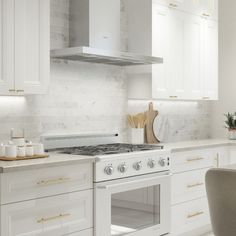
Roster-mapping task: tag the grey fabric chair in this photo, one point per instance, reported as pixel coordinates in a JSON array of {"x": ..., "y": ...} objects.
[{"x": 221, "y": 193}]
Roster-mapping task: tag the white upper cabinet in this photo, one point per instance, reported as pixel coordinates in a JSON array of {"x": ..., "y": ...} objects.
[
  {"x": 32, "y": 36},
  {"x": 188, "y": 44},
  {"x": 160, "y": 46},
  {"x": 6, "y": 49},
  {"x": 25, "y": 46},
  {"x": 206, "y": 8},
  {"x": 210, "y": 60},
  {"x": 176, "y": 54},
  {"x": 193, "y": 53}
]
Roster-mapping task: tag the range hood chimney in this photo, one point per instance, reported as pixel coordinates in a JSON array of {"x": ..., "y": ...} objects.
[{"x": 95, "y": 35}]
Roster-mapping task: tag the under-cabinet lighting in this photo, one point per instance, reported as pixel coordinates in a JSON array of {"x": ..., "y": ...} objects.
[
  {"x": 143, "y": 102},
  {"x": 8, "y": 100}
]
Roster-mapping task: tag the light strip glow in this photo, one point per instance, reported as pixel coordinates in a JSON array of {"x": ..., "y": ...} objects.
[
  {"x": 141, "y": 102},
  {"x": 10, "y": 100}
]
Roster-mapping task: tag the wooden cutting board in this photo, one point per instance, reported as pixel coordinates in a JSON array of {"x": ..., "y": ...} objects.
[{"x": 151, "y": 115}]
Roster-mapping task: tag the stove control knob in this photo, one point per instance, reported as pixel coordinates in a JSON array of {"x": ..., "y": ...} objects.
[
  {"x": 137, "y": 165},
  {"x": 122, "y": 168},
  {"x": 109, "y": 170},
  {"x": 151, "y": 164},
  {"x": 162, "y": 162}
]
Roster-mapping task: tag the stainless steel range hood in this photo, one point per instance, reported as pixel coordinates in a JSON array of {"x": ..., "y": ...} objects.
[
  {"x": 95, "y": 35},
  {"x": 93, "y": 55}
]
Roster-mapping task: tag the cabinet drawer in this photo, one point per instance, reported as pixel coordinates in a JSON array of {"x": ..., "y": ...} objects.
[
  {"x": 87, "y": 232},
  {"x": 59, "y": 215},
  {"x": 189, "y": 216},
  {"x": 32, "y": 184},
  {"x": 188, "y": 186},
  {"x": 192, "y": 160}
]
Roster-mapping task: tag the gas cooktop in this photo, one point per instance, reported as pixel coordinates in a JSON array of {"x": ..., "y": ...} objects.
[{"x": 108, "y": 149}]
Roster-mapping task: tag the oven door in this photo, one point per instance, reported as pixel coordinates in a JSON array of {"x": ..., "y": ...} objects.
[{"x": 136, "y": 206}]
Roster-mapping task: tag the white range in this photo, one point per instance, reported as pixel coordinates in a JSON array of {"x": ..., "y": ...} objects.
[{"x": 131, "y": 182}]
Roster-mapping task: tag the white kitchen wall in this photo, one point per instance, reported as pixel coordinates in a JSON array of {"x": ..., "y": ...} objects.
[
  {"x": 227, "y": 69},
  {"x": 93, "y": 98}
]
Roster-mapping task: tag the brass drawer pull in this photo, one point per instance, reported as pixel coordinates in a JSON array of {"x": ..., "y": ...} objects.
[
  {"x": 173, "y": 5},
  {"x": 12, "y": 90},
  {"x": 195, "y": 214},
  {"x": 53, "y": 181},
  {"x": 206, "y": 15},
  {"x": 205, "y": 98},
  {"x": 194, "y": 185},
  {"x": 43, "y": 220},
  {"x": 217, "y": 160},
  {"x": 195, "y": 159},
  {"x": 20, "y": 91},
  {"x": 173, "y": 96}
]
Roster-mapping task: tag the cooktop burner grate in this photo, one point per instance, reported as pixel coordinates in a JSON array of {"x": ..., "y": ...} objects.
[{"x": 108, "y": 149}]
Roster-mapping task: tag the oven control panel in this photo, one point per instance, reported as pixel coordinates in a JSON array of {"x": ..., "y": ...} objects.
[{"x": 127, "y": 165}]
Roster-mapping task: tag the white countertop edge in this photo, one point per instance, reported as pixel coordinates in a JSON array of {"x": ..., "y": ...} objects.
[
  {"x": 198, "y": 144},
  {"x": 51, "y": 161}
]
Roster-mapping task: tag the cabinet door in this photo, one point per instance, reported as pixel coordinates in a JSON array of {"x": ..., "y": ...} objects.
[
  {"x": 32, "y": 39},
  {"x": 193, "y": 71},
  {"x": 209, "y": 8},
  {"x": 51, "y": 216},
  {"x": 176, "y": 59},
  {"x": 160, "y": 44},
  {"x": 210, "y": 60},
  {"x": 6, "y": 47}
]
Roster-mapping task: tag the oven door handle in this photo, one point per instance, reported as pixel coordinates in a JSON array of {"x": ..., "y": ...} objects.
[{"x": 149, "y": 182}]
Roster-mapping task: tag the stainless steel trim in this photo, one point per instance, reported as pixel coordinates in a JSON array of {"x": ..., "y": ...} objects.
[{"x": 93, "y": 55}]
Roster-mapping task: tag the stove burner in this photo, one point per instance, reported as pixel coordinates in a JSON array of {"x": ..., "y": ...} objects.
[{"x": 108, "y": 149}]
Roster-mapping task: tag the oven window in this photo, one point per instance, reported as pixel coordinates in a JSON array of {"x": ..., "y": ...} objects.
[{"x": 135, "y": 210}]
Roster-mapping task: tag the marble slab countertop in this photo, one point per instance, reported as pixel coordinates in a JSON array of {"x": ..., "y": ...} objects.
[
  {"x": 197, "y": 144},
  {"x": 54, "y": 159}
]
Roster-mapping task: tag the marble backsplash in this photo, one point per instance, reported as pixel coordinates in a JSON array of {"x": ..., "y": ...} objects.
[{"x": 93, "y": 98}]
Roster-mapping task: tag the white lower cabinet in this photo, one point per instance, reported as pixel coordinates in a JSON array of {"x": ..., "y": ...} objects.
[
  {"x": 87, "y": 232},
  {"x": 54, "y": 201},
  {"x": 188, "y": 186},
  {"x": 190, "y": 214},
  {"x": 58, "y": 215},
  {"x": 32, "y": 184}
]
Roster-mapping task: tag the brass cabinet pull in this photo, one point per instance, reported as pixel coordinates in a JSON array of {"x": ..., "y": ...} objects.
[
  {"x": 217, "y": 160},
  {"x": 53, "y": 181},
  {"x": 195, "y": 214},
  {"x": 206, "y": 15},
  {"x": 206, "y": 98},
  {"x": 43, "y": 220},
  {"x": 12, "y": 90},
  {"x": 195, "y": 159},
  {"x": 20, "y": 90},
  {"x": 194, "y": 185},
  {"x": 173, "y": 96},
  {"x": 173, "y": 5}
]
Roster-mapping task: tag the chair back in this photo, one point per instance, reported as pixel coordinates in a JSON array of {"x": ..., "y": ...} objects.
[{"x": 221, "y": 193}]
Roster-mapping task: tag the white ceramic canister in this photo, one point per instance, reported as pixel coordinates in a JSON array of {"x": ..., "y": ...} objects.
[
  {"x": 18, "y": 141},
  {"x": 137, "y": 136},
  {"x": 38, "y": 149},
  {"x": 29, "y": 150},
  {"x": 11, "y": 151},
  {"x": 21, "y": 151},
  {"x": 2, "y": 150}
]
